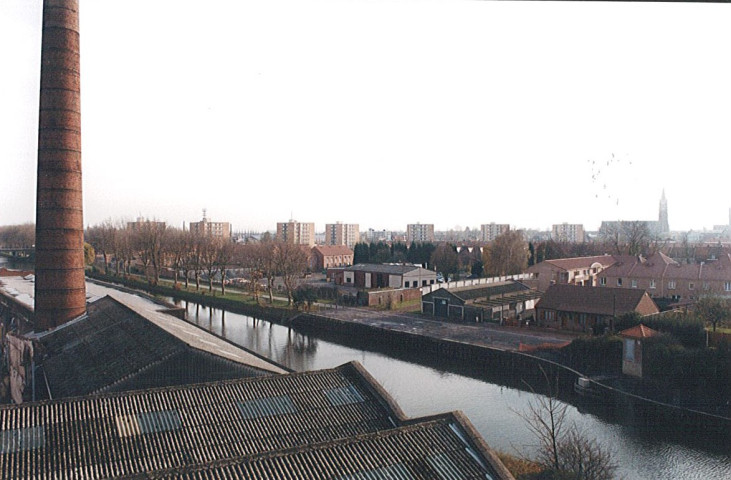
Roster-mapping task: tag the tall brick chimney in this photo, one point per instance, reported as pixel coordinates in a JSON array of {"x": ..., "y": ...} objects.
[{"x": 60, "y": 289}]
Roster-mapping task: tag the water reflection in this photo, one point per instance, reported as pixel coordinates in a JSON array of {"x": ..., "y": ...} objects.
[{"x": 423, "y": 385}]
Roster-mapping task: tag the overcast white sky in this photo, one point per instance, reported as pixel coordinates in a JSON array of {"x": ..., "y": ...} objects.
[{"x": 384, "y": 113}]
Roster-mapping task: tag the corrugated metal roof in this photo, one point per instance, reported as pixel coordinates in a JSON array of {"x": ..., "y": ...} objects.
[
  {"x": 114, "y": 347},
  {"x": 379, "y": 268},
  {"x": 128, "y": 433},
  {"x": 425, "y": 450}
]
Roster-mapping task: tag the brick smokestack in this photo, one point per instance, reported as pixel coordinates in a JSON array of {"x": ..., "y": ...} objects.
[{"x": 60, "y": 289}]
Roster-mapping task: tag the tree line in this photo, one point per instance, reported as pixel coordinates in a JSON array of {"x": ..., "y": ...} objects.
[
  {"x": 18, "y": 236},
  {"x": 188, "y": 256}
]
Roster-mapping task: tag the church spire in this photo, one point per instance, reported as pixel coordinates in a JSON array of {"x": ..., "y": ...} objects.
[{"x": 663, "y": 220}]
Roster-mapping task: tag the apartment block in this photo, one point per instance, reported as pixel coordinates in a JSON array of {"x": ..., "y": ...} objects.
[
  {"x": 420, "y": 232},
  {"x": 213, "y": 229},
  {"x": 296, "y": 232},
  {"x": 568, "y": 232},
  {"x": 342, "y": 234},
  {"x": 491, "y": 231}
]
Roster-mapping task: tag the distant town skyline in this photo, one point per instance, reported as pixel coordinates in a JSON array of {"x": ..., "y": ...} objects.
[{"x": 385, "y": 113}]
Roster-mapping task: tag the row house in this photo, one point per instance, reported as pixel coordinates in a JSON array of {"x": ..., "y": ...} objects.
[
  {"x": 663, "y": 277},
  {"x": 571, "y": 271},
  {"x": 590, "y": 309}
]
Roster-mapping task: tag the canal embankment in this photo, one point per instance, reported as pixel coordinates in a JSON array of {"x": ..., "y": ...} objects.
[
  {"x": 513, "y": 367},
  {"x": 492, "y": 351}
]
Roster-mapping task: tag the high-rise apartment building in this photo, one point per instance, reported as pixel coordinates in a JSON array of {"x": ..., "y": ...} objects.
[
  {"x": 213, "y": 229},
  {"x": 490, "y": 231},
  {"x": 568, "y": 232},
  {"x": 296, "y": 233},
  {"x": 420, "y": 232},
  {"x": 342, "y": 234},
  {"x": 142, "y": 222}
]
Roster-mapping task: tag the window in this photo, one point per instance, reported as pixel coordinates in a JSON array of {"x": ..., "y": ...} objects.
[
  {"x": 652, "y": 283},
  {"x": 346, "y": 395},
  {"x": 629, "y": 350},
  {"x": 634, "y": 283},
  {"x": 603, "y": 281},
  {"x": 727, "y": 286},
  {"x": 706, "y": 285},
  {"x": 619, "y": 282},
  {"x": 671, "y": 285},
  {"x": 691, "y": 286},
  {"x": 266, "y": 407}
]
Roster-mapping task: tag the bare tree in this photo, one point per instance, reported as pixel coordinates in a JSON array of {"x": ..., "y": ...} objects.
[
  {"x": 562, "y": 447},
  {"x": 638, "y": 237},
  {"x": 123, "y": 248},
  {"x": 209, "y": 252},
  {"x": 291, "y": 262},
  {"x": 103, "y": 237},
  {"x": 149, "y": 239},
  {"x": 18, "y": 236},
  {"x": 628, "y": 237},
  {"x": 267, "y": 252},
  {"x": 506, "y": 255},
  {"x": 225, "y": 257},
  {"x": 178, "y": 248}
]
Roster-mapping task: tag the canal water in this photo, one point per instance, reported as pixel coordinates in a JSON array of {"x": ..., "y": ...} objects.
[{"x": 424, "y": 386}]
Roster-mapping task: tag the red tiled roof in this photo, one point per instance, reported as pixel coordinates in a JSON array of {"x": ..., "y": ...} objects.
[
  {"x": 330, "y": 250},
  {"x": 639, "y": 331},
  {"x": 592, "y": 300},
  {"x": 580, "y": 262}
]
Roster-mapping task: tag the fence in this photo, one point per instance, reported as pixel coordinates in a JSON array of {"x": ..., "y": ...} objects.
[{"x": 476, "y": 281}]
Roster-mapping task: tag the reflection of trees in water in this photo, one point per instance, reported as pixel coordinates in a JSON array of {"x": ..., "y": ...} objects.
[{"x": 298, "y": 352}]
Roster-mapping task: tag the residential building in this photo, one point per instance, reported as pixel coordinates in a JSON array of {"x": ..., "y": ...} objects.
[
  {"x": 590, "y": 309},
  {"x": 573, "y": 271},
  {"x": 419, "y": 232},
  {"x": 296, "y": 232},
  {"x": 367, "y": 275},
  {"x": 342, "y": 234},
  {"x": 330, "y": 256},
  {"x": 141, "y": 223},
  {"x": 501, "y": 302},
  {"x": 373, "y": 235},
  {"x": 568, "y": 232},
  {"x": 212, "y": 229},
  {"x": 665, "y": 278},
  {"x": 490, "y": 231}
]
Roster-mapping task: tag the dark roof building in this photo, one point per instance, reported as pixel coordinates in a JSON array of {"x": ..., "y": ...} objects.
[
  {"x": 371, "y": 275},
  {"x": 336, "y": 423},
  {"x": 115, "y": 348},
  {"x": 584, "y": 309},
  {"x": 499, "y": 301}
]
